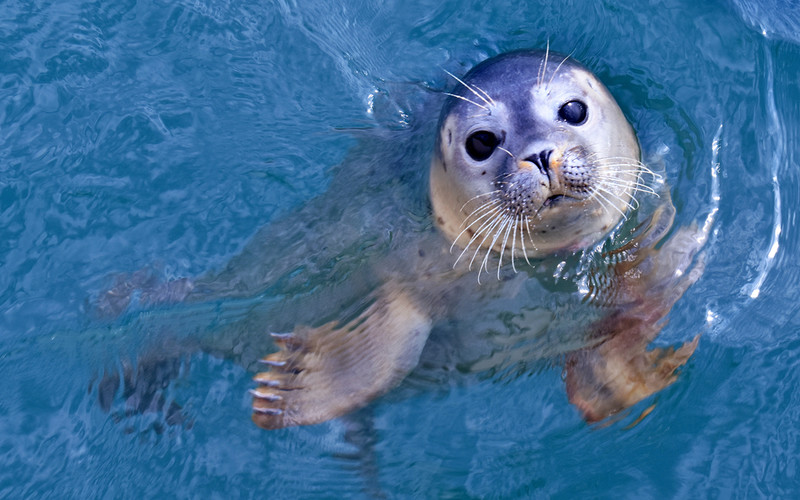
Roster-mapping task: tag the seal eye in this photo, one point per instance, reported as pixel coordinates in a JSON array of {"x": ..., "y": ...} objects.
[
  {"x": 573, "y": 112},
  {"x": 481, "y": 144}
]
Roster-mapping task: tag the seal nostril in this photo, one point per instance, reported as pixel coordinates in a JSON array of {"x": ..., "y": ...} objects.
[
  {"x": 545, "y": 157},
  {"x": 541, "y": 160}
]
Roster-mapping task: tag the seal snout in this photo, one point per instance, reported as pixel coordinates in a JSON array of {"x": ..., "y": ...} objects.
[
  {"x": 547, "y": 163},
  {"x": 540, "y": 160}
]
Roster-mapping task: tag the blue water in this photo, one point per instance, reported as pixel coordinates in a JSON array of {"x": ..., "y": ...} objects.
[{"x": 162, "y": 135}]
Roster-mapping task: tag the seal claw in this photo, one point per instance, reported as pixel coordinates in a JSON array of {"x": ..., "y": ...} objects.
[
  {"x": 266, "y": 379},
  {"x": 288, "y": 341},
  {"x": 272, "y": 362},
  {"x": 267, "y": 411},
  {"x": 265, "y": 395}
]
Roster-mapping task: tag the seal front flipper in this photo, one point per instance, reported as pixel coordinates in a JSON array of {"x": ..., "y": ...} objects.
[
  {"x": 621, "y": 371},
  {"x": 618, "y": 370},
  {"x": 323, "y": 373}
]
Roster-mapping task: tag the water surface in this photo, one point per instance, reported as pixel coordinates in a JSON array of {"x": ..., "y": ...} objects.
[{"x": 162, "y": 135}]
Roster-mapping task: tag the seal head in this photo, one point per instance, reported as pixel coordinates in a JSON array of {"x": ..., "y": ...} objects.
[{"x": 533, "y": 157}]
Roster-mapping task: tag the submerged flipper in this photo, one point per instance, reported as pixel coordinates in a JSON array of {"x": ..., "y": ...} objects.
[
  {"x": 323, "y": 373},
  {"x": 618, "y": 370},
  {"x": 144, "y": 386}
]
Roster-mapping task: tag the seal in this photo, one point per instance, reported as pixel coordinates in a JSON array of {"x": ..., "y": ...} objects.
[{"x": 533, "y": 157}]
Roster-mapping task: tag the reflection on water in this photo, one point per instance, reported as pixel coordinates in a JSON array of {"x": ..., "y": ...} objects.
[
  {"x": 162, "y": 136},
  {"x": 773, "y": 151}
]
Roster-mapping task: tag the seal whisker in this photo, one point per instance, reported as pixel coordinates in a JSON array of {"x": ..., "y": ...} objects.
[
  {"x": 617, "y": 197},
  {"x": 500, "y": 178},
  {"x": 617, "y": 162},
  {"x": 487, "y": 213},
  {"x": 624, "y": 181},
  {"x": 513, "y": 242},
  {"x": 543, "y": 66},
  {"x": 603, "y": 203},
  {"x": 644, "y": 169},
  {"x": 626, "y": 159},
  {"x": 558, "y": 68},
  {"x": 640, "y": 167},
  {"x": 468, "y": 100},
  {"x": 506, "y": 151},
  {"x": 530, "y": 233},
  {"x": 624, "y": 167},
  {"x": 637, "y": 186},
  {"x": 486, "y": 94},
  {"x": 633, "y": 188},
  {"x": 485, "y": 230},
  {"x": 623, "y": 159},
  {"x": 485, "y": 263},
  {"x": 635, "y": 183},
  {"x": 508, "y": 225},
  {"x": 488, "y": 231},
  {"x": 625, "y": 178},
  {"x": 486, "y": 225},
  {"x": 522, "y": 239},
  {"x": 619, "y": 168},
  {"x": 476, "y": 197},
  {"x": 480, "y": 212},
  {"x": 484, "y": 99},
  {"x": 633, "y": 204},
  {"x": 599, "y": 194}
]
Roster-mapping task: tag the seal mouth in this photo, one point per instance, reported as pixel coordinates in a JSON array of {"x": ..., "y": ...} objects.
[{"x": 553, "y": 200}]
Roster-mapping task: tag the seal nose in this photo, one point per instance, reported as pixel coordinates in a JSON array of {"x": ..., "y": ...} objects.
[{"x": 540, "y": 160}]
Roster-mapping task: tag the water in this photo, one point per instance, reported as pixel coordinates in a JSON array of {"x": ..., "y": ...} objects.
[{"x": 162, "y": 135}]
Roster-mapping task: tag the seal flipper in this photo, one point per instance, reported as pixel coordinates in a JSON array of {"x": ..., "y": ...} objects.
[
  {"x": 144, "y": 388},
  {"x": 618, "y": 370},
  {"x": 323, "y": 373}
]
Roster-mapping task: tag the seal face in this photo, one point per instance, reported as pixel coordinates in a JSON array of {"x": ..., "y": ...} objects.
[{"x": 533, "y": 157}]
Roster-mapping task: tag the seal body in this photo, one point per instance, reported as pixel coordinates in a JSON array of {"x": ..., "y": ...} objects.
[{"x": 533, "y": 157}]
